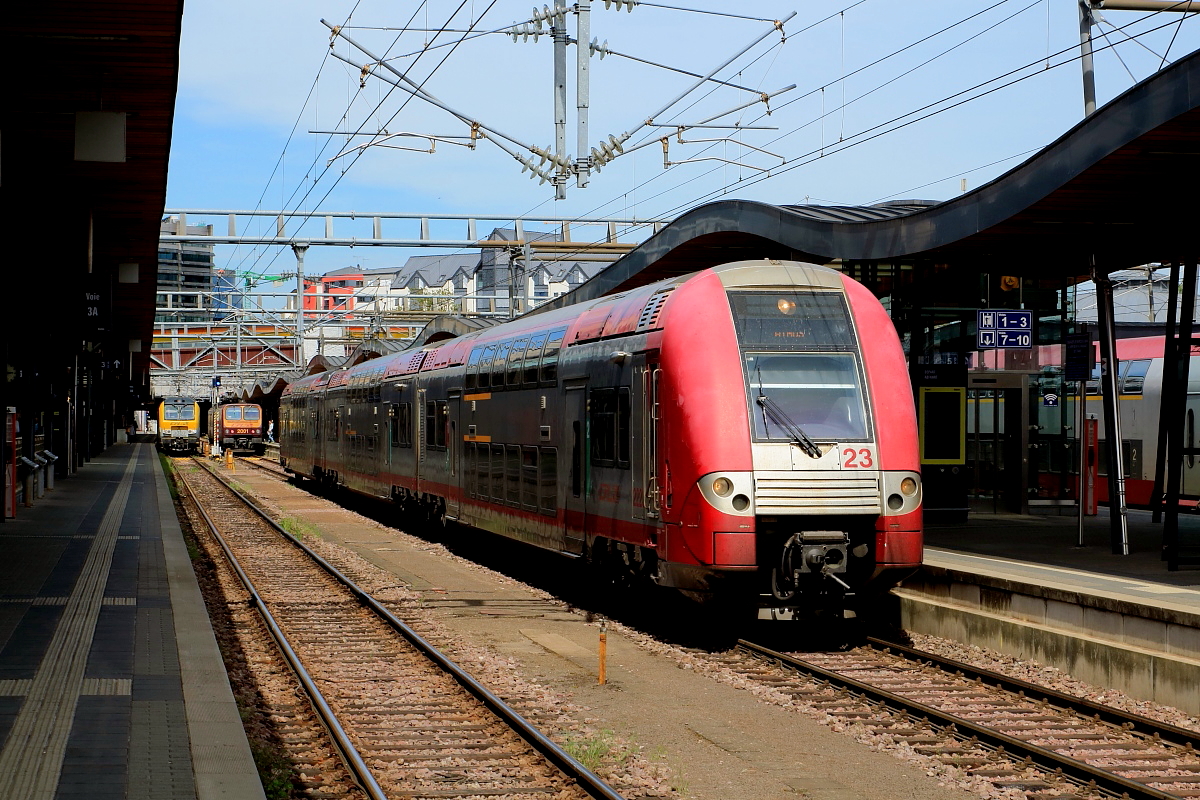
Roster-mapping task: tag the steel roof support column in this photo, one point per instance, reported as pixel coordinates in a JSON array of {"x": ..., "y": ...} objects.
[
  {"x": 1085, "y": 57},
  {"x": 1113, "y": 443},
  {"x": 1166, "y": 400},
  {"x": 300, "y": 248},
  {"x": 1182, "y": 353}
]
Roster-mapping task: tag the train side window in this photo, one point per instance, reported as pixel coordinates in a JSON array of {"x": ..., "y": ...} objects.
[
  {"x": 482, "y": 457},
  {"x": 469, "y": 468},
  {"x": 497, "y": 470},
  {"x": 443, "y": 422},
  {"x": 602, "y": 424},
  {"x": 549, "y": 367},
  {"x": 516, "y": 362},
  {"x": 533, "y": 355},
  {"x": 485, "y": 367},
  {"x": 430, "y": 422},
  {"x": 1134, "y": 379},
  {"x": 500, "y": 364},
  {"x": 1093, "y": 384},
  {"x": 512, "y": 475},
  {"x": 402, "y": 425},
  {"x": 548, "y": 471},
  {"x": 576, "y": 460},
  {"x": 529, "y": 478},
  {"x": 624, "y": 436},
  {"x": 469, "y": 379},
  {"x": 436, "y": 415}
]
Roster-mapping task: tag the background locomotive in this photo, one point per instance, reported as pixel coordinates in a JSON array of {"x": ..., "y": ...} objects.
[
  {"x": 179, "y": 425},
  {"x": 744, "y": 434},
  {"x": 237, "y": 427}
]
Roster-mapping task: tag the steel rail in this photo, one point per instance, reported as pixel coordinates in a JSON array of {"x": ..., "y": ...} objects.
[
  {"x": 1132, "y": 722},
  {"x": 279, "y": 473},
  {"x": 350, "y": 756},
  {"x": 587, "y": 780},
  {"x": 1003, "y": 743}
]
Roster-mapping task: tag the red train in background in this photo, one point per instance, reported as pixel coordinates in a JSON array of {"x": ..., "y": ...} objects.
[
  {"x": 744, "y": 434},
  {"x": 237, "y": 427}
]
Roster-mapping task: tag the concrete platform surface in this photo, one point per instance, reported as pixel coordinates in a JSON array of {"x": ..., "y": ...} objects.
[
  {"x": 1053, "y": 541},
  {"x": 111, "y": 683}
]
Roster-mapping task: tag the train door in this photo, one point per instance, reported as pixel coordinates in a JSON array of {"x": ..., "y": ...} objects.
[
  {"x": 1190, "y": 487},
  {"x": 418, "y": 442},
  {"x": 576, "y": 483},
  {"x": 644, "y": 447},
  {"x": 454, "y": 447}
]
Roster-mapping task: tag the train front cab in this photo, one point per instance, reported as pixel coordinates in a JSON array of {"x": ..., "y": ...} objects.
[
  {"x": 179, "y": 425},
  {"x": 788, "y": 437},
  {"x": 239, "y": 427}
]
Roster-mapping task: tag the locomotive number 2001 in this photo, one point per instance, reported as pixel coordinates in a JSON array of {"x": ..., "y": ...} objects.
[{"x": 857, "y": 459}]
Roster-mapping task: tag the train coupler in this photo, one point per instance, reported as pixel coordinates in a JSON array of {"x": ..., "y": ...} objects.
[{"x": 811, "y": 553}]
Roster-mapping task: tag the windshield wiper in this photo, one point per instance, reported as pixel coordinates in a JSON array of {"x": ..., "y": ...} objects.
[{"x": 777, "y": 415}]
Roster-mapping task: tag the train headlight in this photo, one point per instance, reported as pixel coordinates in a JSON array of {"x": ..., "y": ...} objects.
[
  {"x": 908, "y": 487},
  {"x": 895, "y": 502},
  {"x": 786, "y": 306},
  {"x": 729, "y": 492}
]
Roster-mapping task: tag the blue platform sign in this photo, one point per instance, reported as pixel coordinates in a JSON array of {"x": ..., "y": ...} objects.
[{"x": 1002, "y": 329}]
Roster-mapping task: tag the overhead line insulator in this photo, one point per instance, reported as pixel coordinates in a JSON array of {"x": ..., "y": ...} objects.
[
  {"x": 602, "y": 49},
  {"x": 628, "y": 4},
  {"x": 524, "y": 31},
  {"x": 558, "y": 14},
  {"x": 606, "y": 151}
]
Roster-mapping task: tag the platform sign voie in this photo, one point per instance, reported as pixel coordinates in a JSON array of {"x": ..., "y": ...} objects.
[{"x": 1002, "y": 329}]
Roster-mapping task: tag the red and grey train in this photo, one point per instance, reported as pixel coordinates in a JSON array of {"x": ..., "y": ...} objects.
[{"x": 744, "y": 434}]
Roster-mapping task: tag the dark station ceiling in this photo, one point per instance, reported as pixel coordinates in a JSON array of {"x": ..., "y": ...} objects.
[
  {"x": 74, "y": 222},
  {"x": 1119, "y": 187}
]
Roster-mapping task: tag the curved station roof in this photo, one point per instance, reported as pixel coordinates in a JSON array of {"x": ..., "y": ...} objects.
[{"x": 1119, "y": 186}]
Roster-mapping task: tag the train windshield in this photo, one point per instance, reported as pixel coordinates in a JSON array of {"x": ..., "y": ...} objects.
[
  {"x": 179, "y": 411},
  {"x": 802, "y": 369},
  {"x": 818, "y": 392},
  {"x": 233, "y": 412},
  {"x": 251, "y": 413}
]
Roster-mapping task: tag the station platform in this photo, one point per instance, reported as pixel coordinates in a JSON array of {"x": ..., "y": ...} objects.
[
  {"x": 111, "y": 682},
  {"x": 1023, "y": 586},
  {"x": 1045, "y": 540}
]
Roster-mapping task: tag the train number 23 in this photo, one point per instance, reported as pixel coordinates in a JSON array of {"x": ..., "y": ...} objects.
[{"x": 856, "y": 459}]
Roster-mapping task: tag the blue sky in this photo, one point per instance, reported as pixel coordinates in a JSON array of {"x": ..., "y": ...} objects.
[{"x": 256, "y": 77}]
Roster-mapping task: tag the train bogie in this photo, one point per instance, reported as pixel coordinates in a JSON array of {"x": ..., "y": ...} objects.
[{"x": 744, "y": 435}]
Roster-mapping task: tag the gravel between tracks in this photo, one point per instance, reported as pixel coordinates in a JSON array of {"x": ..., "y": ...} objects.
[{"x": 683, "y": 723}]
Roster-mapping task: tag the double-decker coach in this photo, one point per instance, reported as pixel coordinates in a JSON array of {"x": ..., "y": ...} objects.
[{"x": 744, "y": 434}]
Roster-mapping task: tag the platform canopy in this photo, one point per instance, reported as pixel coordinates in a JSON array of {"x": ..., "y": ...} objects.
[{"x": 1118, "y": 187}]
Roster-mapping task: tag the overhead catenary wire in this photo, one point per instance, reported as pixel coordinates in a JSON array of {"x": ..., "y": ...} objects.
[
  {"x": 895, "y": 123},
  {"x": 889, "y": 126},
  {"x": 860, "y": 134},
  {"x": 305, "y": 216}
]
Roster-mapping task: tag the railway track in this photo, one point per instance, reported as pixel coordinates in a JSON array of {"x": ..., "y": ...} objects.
[
  {"x": 265, "y": 464},
  {"x": 1014, "y": 734},
  {"x": 407, "y": 721}
]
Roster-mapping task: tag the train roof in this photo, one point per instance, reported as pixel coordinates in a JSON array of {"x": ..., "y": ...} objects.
[{"x": 639, "y": 309}]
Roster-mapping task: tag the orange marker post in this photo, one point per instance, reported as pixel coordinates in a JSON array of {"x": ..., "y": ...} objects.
[
  {"x": 601, "y": 677},
  {"x": 229, "y": 459}
]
